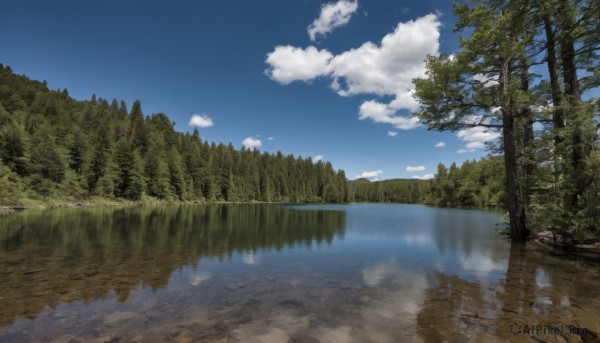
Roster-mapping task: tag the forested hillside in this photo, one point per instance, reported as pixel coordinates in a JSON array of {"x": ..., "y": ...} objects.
[
  {"x": 53, "y": 147},
  {"x": 407, "y": 191},
  {"x": 474, "y": 183}
]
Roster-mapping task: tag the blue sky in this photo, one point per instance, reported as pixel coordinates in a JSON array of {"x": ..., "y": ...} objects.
[{"x": 311, "y": 78}]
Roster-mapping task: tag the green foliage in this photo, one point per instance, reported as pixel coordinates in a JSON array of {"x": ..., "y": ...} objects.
[
  {"x": 396, "y": 191},
  {"x": 475, "y": 183},
  {"x": 45, "y": 159},
  {"x": 551, "y": 171},
  {"x": 52, "y": 146}
]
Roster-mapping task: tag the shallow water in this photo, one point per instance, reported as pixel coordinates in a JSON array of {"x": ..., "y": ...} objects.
[{"x": 269, "y": 273}]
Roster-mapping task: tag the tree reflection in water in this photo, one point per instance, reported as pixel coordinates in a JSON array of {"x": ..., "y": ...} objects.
[
  {"x": 248, "y": 272},
  {"x": 48, "y": 257},
  {"x": 539, "y": 289}
]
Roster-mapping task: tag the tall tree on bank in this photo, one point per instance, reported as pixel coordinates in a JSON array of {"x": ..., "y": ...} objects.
[{"x": 478, "y": 87}]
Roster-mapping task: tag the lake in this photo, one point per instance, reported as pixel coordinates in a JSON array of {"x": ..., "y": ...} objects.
[{"x": 284, "y": 273}]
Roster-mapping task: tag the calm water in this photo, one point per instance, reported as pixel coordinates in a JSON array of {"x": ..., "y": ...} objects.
[{"x": 269, "y": 273}]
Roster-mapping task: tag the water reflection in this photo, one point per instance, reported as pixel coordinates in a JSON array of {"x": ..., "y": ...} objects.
[
  {"x": 538, "y": 289},
  {"x": 55, "y": 256},
  {"x": 262, "y": 273}
]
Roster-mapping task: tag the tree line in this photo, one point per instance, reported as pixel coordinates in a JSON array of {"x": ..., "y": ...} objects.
[
  {"x": 548, "y": 120},
  {"x": 473, "y": 184},
  {"x": 55, "y": 147}
]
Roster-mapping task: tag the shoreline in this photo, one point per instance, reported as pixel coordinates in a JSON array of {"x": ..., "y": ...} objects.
[
  {"x": 589, "y": 250},
  {"x": 6, "y": 209},
  {"x": 18, "y": 208}
]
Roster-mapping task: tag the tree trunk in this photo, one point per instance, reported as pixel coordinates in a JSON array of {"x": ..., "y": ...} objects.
[
  {"x": 573, "y": 95},
  {"x": 528, "y": 135},
  {"x": 516, "y": 206},
  {"x": 558, "y": 116}
]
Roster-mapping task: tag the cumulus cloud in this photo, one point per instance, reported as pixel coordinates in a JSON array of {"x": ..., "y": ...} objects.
[
  {"x": 386, "y": 68},
  {"x": 288, "y": 63},
  {"x": 332, "y": 15},
  {"x": 392, "y": 133},
  {"x": 412, "y": 169},
  {"x": 370, "y": 174},
  {"x": 440, "y": 145},
  {"x": 201, "y": 120},
  {"x": 270, "y": 139},
  {"x": 476, "y": 137},
  {"x": 424, "y": 177},
  {"x": 251, "y": 143},
  {"x": 383, "y": 113},
  {"x": 318, "y": 158}
]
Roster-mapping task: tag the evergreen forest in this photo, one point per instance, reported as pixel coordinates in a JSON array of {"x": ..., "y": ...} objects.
[{"x": 55, "y": 148}]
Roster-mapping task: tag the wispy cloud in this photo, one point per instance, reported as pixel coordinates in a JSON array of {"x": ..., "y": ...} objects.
[
  {"x": 201, "y": 120},
  {"x": 392, "y": 133},
  {"x": 412, "y": 169},
  {"x": 369, "y": 174},
  {"x": 440, "y": 145},
  {"x": 251, "y": 143},
  {"x": 270, "y": 139},
  {"x": 333, "y": 15},
  {"x": 424, "y": 177}
]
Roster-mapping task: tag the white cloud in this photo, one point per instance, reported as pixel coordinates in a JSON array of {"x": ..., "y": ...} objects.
[
  {"x": 474, "y": 145},
  {"x": 476, "y": 137},
  {"x": 251, "y": 143},
  {"x": 382, "y": 113},
  {"x": 270, "y": 139},
  {"x": 388, "y": 68},
  {"x": 384, "y": 69},
  {"x": 412, "y": 169},
  {"x": 288, "y": 63},
  {"x": 318, "y": 158},
  {"x": 392, "y": 133},
  {"x": 369, "y": 174},
  {"x": 440, "y": 145},
  {"x": 332, "y": 15},
  {"x": 201, "y": 120},
  {"x": 486, "y": 80},
  {"x": 424, "y": 177}
]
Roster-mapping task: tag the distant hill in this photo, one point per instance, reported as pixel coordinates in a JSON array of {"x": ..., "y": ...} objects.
[{"x": 410, "y": 191}]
